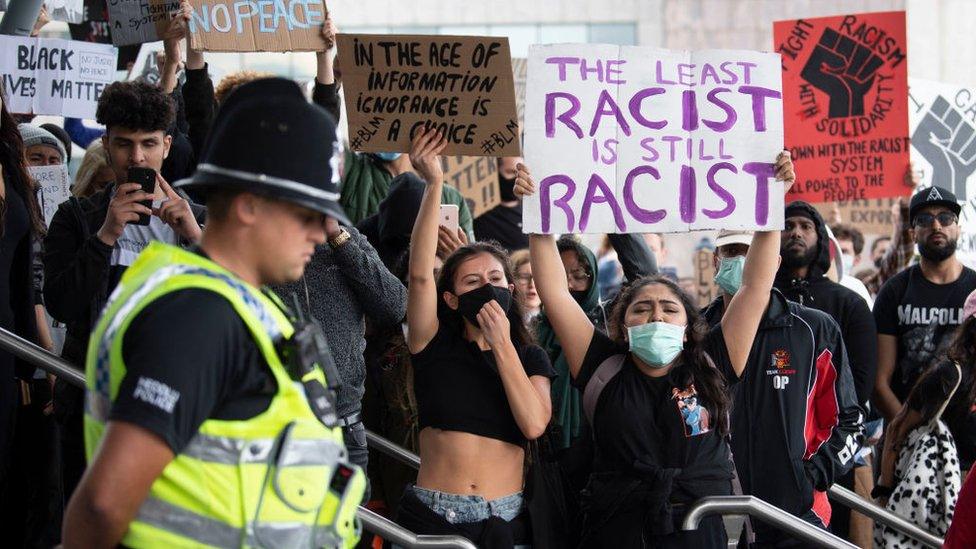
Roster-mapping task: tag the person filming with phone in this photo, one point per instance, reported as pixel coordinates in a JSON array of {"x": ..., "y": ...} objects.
[{"x": 92, "y": 241}]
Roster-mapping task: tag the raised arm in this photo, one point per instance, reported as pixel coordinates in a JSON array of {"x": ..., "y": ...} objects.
[
  {"x": 175, "y": 32},
  {"x": 741, "y": 320},
  {"x": 573, "y": 328},
  {"x": 325, "y": 93},
  {"x": 422, "y": 323}
]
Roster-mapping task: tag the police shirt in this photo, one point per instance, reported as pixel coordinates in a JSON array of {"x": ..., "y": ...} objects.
[{"x": 189, "y": 357}]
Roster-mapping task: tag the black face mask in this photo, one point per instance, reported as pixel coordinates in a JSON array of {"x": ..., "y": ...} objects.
[
  {"x": 471, "y": 302},
  {"x": 580, "y": 296},
  {"x": 506, "y": 188}
]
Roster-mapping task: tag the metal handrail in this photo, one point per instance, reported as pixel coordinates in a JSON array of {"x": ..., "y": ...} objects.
[
  {"x": 60, "y": 367},
  {"x": 395, "y": 534},
  {"x": 372, "y": 522},
  {"x": 855, "y": 502},
  {"x": 755, "y": 507}
]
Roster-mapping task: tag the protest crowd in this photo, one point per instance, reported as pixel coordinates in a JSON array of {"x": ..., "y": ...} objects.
[{"x": 249, "y": 291}]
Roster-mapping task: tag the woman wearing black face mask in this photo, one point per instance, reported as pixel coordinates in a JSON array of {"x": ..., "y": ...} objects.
[
  {"x": 581, "y": 273},
  {"x": 482, "y": 389}
]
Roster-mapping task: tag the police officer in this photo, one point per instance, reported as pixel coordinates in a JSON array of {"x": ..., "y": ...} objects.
[{"x": 208, "y": 420}]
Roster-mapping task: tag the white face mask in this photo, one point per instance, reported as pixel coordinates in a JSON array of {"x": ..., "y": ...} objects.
[{"x": 848, "y": 262}]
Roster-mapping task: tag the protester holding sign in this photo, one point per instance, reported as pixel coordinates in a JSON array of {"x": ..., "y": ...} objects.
[
  {"x": 482, "y": 387},
  {"x": 658, "y": 358},
  {"x": 21, "y": 224}
]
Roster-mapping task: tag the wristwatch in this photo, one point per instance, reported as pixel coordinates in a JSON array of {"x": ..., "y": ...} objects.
[{"x": 340, "y": 239}]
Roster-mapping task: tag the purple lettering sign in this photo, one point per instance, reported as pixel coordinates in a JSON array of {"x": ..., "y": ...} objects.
[{"x": 628, "y": 139}]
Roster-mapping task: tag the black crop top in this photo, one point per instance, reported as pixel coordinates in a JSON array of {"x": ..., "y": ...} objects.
[{"x": 458, "y": 387}]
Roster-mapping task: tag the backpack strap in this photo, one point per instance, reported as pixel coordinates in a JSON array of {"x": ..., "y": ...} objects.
[{"x": 603, "y": 374}]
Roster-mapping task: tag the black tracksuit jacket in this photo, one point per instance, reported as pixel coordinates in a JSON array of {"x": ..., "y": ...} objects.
[
  {"x": 795, "y": 420},
  {"x": 847, "y": 308}
]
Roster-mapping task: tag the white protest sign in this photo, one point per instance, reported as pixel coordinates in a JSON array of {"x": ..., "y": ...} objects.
[
  {"x": 53, "y": 188},
  {"x": 627, "y": 139},
  {"x": 942, "y": 125},
  {"x": 69, "y": 11},
  {"x": 53, "y": 76},
  {"x": 139, "y": 21}
]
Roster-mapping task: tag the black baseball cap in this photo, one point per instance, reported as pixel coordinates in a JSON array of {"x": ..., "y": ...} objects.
[{"x": 932, "y": 196}]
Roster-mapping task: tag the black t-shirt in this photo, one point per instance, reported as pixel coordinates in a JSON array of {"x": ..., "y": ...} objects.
[
  {"x": 920, "y": 314},
  {"x": 458, "y": 387},
  {"x": 502, "y": 224},
  {"x": 642, "y": 422},
  {"x": 932, "y": 391},
  {"x": 189, "y": 357}
]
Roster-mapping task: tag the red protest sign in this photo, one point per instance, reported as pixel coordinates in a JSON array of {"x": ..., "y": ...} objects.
[{"x": 845, "y": 104}]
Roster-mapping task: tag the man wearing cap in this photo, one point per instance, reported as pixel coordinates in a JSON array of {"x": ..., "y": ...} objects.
[
  {"x": 919, "y": 306},
  {"x": 41, "y": 146},
  {"x": 795, "y": 394},
  {"x": 208, "y": 419}
]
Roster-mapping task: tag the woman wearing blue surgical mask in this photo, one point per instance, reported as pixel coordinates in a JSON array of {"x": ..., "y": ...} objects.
[
  {"x": 657, "y": 403},
  {"x": 482, "y": 387}
]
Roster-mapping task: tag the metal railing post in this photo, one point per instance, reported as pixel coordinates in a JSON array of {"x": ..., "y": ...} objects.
[
  {"x": 855, "y": 502},
  {"x": 390, "y": 448},
  {"x": 390, "y": 531},
  {"x": 755, "y": 507}
]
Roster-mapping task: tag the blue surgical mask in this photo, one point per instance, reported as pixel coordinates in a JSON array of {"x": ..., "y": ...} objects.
[
  {"x": 656, "y": 343},
  {"x": 387, "y": 156},
  {"x": 729, "y": 275}
]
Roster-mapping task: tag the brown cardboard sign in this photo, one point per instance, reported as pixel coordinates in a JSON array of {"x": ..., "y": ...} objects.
[
  {"x": 705, "y": 286},
  {"x": 477, "y": 179},
  {"x": 871, "y": 217},
  {"x": 460, "y": 85},
  {"x": 262, "y": 25}
]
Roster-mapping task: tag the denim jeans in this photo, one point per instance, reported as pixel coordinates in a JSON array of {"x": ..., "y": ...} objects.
[{"x": 458, "y": 509}]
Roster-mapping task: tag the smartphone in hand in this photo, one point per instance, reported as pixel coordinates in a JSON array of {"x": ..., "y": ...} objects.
[
  {"x": 145, "y": 177},
  {"x": 449, "y": 217}
]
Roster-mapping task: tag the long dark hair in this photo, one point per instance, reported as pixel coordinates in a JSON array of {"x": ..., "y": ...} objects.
[
  {"x": 12, "y": 150},
  {"x": 445, "y": 283},
  {"x": 694, "y": 365},
  {"x": 962, "y": 351}
]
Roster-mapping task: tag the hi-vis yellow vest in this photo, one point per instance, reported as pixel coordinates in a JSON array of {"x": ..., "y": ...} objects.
[{"x": 263, "y": 482}]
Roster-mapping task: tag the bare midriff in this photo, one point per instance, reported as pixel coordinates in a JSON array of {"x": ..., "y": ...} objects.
[{"x": 468, "y": 464}]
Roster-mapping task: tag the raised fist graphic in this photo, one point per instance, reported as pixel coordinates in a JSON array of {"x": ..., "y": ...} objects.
[
  {"x": 845, "y": 70},
  {"x": 947, "y": 141}
]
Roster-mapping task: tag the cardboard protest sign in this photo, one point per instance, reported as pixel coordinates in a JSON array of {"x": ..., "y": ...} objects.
[
  {"x": 705, "y": 287},
  {"x": 95, "y": 27},
  {"x": 476, "y": 177},
  {"x": 520, "y": 72},
  {"x": 845, "y": 92},
  {"x": 138, "y": 21},
  {"x": 53, "y": 76},
  {"x": 262, "y": 25},
  {"x": 53, "y": 188},
  {"x": 627, "y": 139},
  {"x": 461, "y": 85},
  {"x": 943, "y": 125},
  {"x": 871, "y": 217}
]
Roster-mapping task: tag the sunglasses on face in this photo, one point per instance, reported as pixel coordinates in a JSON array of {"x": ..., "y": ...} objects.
[{"x": 925, "y": 220}]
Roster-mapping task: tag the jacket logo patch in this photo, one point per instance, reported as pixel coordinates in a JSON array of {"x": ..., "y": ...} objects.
[{"x": 780, "y": 368}]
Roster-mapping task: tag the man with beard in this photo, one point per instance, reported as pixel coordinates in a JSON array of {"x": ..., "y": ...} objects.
[
  {"x": 920, "y": 305},
  {"x": 802, "y": 278},
  {"x": 805, "y": 253},
  {"x": 503, "y": 223}
]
